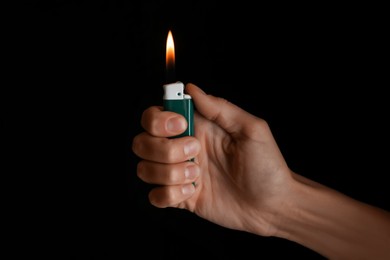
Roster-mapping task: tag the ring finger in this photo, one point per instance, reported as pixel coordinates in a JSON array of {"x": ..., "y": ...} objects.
[{"x": 167, "y": 174}]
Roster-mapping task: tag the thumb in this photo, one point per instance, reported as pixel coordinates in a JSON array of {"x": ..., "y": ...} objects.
[{"x": 227, "y": 115}]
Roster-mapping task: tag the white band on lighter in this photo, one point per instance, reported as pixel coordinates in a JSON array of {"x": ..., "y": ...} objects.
[{"x": 175, "y": 91}]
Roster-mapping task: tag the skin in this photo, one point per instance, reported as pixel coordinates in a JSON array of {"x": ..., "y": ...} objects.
[{"x": 242, "y": 182}]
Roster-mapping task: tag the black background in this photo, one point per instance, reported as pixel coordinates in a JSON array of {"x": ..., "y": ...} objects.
[{"x": 81, "y": 73}]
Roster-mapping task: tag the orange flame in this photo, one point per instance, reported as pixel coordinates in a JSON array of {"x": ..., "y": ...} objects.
[{"x": 170, "y": 52}]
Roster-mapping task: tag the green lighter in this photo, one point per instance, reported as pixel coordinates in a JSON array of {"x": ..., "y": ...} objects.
[
  {"x": 177, "y": 101},
  {"x": 174, "y": 98}
]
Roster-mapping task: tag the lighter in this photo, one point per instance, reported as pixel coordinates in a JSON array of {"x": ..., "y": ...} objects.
[{"x": 176, "y": 100}]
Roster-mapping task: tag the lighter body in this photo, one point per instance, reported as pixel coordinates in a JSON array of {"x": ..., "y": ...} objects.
[{"x": 176, "y": 100}]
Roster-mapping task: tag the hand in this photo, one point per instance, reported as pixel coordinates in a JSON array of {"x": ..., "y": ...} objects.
[
  {"x": 243, "y": 182},
  {"x": 239, "y": 172}
]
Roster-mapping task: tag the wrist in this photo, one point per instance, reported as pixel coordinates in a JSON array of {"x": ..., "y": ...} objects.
[
  {"x": 290, "y": 210},
  {"x": 331, "y": 223},
  {"x": 269, "y": 218}
]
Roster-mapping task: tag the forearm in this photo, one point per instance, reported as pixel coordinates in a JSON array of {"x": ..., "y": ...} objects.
[{"x": 333, "y": 224}]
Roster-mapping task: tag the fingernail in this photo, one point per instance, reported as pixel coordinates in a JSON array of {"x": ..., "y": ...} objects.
[
  {"x": 188, "y": 189},
  {"x": 176, "y": 124},
  {"x": 191, "y": 172},
  {"x": 191, "y": 148}
]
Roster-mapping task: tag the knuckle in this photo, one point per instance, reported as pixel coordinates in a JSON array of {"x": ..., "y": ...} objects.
[
  {"x": 140, "y": 168},
  {"x": 171, "y": 151},
  {"x": 259, "y": 127},
  {"x": 171, "y": 196},
  {"x": 174, "y": 176},
  {"x": 136, "y": 144}
]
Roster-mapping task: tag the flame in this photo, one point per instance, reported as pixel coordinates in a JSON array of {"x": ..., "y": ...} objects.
[{"x": 170, "y": 52}]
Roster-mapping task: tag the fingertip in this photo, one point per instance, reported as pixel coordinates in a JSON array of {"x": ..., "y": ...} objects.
[
  {"x": 188, "y": 189},
  {"x": 191, "y": 88},
  {"x": 191, "y": 148},
  {"x": 176, "y": 125}
]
